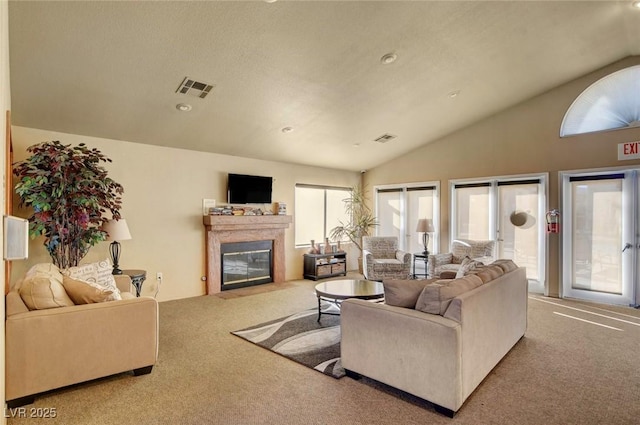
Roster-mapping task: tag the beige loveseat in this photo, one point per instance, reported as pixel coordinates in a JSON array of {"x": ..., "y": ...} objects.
[
  {"x": 440, "y": 357},
  {"x": 50, "y": 348}
]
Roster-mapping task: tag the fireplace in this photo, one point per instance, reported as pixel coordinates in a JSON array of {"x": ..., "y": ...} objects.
[
  {"x": 221, "y": 230},
  {"x": 246, "y": 264}
]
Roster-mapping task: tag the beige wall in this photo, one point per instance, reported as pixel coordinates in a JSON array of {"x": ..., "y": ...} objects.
[
  {"x": 5, "y": 105},
  {"x": 522, "y": 139},
  {"x": 162, "y": 204}
]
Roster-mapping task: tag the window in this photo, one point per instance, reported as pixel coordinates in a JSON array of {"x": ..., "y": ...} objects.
[
  {"x": 318, "y": 209},
  {"x": 608, "y": 104},
  {"x": 399, "y": 207},
  {"x": 487, "y": 209}
]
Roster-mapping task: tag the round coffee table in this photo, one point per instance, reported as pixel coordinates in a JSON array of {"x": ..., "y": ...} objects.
[{"x": 336, "y": 291}]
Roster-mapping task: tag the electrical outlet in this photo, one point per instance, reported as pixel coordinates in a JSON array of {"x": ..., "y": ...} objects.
[{"x": 159, "y": 276}]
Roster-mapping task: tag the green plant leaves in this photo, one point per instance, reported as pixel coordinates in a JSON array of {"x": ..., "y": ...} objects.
[{"x": 69, "y": 192}]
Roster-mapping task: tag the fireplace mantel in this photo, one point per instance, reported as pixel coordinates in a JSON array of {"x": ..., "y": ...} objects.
[{"x": 244, "y": 228}]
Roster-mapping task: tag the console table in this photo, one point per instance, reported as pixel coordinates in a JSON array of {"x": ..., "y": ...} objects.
[{"x": 319, "y": 266}]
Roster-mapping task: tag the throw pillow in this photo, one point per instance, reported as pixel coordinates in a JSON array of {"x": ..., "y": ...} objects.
[
  {"x": 96, "y": 274},
  {"x": 83, "y": 292},
  {"x": 41, "y": 292},
  {"x": 505, "y": 265},
  {"x": 436, "y": 297},
  {"x": 403, "y": 293},
  {"x": 44, "y": 269},
  {"x": 488, "y": 273},
  {"x": 460, "y": 251},
  {"x": 466, "y": 266}
]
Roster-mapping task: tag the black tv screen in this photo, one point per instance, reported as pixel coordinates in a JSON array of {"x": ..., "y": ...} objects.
[{"x": 245, "y": 189}]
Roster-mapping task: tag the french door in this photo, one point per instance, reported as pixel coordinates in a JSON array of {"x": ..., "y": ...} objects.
[
  {"x": 600, "y": 236},
  {"x": 398, "y": 209},
  {"x": 508, "y": 210}
]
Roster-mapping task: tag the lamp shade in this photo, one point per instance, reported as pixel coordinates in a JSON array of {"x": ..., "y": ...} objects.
[
  {"x": 117, "y": 230},
  {"x": 425, "y": 225}
]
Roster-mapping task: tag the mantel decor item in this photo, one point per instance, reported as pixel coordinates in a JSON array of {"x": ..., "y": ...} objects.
[
  {"x": 361, "y": 221},
  {"x": 69, "y": 192},
  {"x": 313, "y": 249},
  {"x": 117, "y": 230},
  {"x": 425, "y": 225}
]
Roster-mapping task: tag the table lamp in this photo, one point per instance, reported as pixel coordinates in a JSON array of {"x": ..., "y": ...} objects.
[
  {"x": 117, "y": 230},
  {"x": 425, "y": 225}
]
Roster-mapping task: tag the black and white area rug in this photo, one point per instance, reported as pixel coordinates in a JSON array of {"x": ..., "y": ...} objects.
[{"x": 301, "y": 338}]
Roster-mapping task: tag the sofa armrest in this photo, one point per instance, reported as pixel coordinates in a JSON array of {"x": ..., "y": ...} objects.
[
  {"x": 47, "y": 349},
  {"x": 493, "y": 318},
  {"x": 395, "y": 345},
  {"x": 123, "y": 282},
  {"x": 436, "y": 260},
  {"x": 403, "y": 256},
  {"x": 14, "y": 304},
  {"x": 367, "y": 263}
]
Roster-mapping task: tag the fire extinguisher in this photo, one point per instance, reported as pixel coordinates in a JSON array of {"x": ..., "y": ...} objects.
[{"x": 553, "y": 221}]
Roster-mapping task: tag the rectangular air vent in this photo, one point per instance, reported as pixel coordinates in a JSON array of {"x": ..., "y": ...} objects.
[
  {"x": 194, "y": 88},
  {"x": 384, "y": 138}
]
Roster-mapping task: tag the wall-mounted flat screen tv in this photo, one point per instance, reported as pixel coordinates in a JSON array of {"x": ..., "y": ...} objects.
[{"x": 245, "y": 189}]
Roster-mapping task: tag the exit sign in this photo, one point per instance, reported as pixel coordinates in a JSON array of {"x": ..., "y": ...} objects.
[{"x": 628, "y": 150}]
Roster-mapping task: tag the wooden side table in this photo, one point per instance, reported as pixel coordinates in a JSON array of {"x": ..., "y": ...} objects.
[{"x": 137, "y": 278}]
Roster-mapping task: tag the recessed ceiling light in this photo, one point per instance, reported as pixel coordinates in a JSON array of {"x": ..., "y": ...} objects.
[
  {"x": 356, "y": 145},
  {"x": 287, "y": 130},
  {"x": 454, "y": 94},
  {"x": 388, "y": 58},
  {"x": 184, "y": 107},
  {"x": 636, "y": 4}
]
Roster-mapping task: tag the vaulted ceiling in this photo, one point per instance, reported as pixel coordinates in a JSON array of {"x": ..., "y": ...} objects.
[{"x": 112, "y": 70}]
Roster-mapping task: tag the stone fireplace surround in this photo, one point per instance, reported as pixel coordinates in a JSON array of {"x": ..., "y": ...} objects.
[{"x": 245, "y": 228}]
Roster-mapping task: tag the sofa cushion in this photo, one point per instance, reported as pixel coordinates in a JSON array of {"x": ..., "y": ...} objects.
[
  {"x": 487, "y": 273},
  {"x": 82, "y": 292},
  {"x": 386, "y": 261},
  {"x": 40, "y": 292},
  {"x": 467, "y": 265},
  {"x": 44, "y": 269},
  {"x": 403, "y": 292},
  {"x": 436, "y": 297},
  {"x": 505, "y": 265},
  {"x": 98, "y": 275}
]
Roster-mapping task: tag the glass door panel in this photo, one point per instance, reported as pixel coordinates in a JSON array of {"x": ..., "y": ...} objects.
[
  {"x": 389, "y": 213},
  {"x": 420, "y": 202},
  {"x": 472, "y": 211},
  {"x": 398, "y": 210},
  {"x": 599, "y": 238},
  {"x": 507, "y": 210},
  {"x": 519, "y": 225}
]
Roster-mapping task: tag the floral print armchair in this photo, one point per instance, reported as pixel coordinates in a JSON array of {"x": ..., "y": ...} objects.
[{"x": 381, "y": 258}]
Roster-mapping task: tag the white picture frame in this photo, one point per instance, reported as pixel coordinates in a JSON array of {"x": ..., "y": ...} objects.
[{"x": 207, "y": 204}]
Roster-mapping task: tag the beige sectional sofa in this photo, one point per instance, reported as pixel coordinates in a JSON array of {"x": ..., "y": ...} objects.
[
  {"x": 440, "y": 356},
  {"x": 58, "y": 344}
]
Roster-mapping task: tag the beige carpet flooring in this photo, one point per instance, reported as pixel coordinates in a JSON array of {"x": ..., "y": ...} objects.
[{"x": 565, "y": 371}]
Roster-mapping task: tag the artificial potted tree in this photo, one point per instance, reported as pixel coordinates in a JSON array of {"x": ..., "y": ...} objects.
[
  {"x": 70, "y": 192},
  {"x": 361, "y": 221}
]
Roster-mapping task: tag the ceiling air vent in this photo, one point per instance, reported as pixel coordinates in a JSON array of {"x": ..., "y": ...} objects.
[
  {"x": 194, "y": 88},
  {"x": 385, "y": 138}
]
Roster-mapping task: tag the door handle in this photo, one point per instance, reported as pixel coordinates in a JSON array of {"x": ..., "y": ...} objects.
[{"x": 627, "y": 246}]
